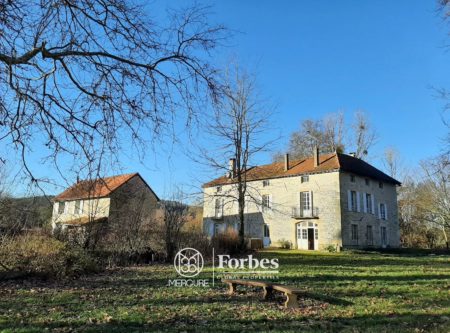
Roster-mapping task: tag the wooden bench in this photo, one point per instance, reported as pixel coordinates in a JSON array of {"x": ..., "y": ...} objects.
[
  {"x": 290, "y": 292},
  {"x": 266, "y": 286}
]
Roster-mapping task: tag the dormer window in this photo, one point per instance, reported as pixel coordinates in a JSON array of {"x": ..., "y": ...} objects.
[
  {"x": 266, "y": 183},
  {"x": 352, "y": 178}
]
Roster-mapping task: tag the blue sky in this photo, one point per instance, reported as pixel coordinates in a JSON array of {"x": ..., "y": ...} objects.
[{"x": 316, "y": 57}]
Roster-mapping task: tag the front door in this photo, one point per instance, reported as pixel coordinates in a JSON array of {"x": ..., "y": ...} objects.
[
  {"x": 307, "y": 236},
  {"x": 310, "y": 238}
]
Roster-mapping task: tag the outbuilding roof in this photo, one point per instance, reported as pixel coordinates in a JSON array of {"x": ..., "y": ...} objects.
[{"x": 97, "y": 188}]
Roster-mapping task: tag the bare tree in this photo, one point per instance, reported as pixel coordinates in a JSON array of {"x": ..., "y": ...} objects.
[
  {"x": 331, "y": 134},
  {"x": 77, "y": 76},
  {"x": 391, "y": 161},
  {"x": 435, "y": 197},
  {"x": 364, "y": 135},
  {"x": 175, "y": 217},
  {"x": 236, "y": 133}
]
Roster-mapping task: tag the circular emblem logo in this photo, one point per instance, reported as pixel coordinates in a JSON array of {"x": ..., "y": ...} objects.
[{"x": 188, "y": 262}]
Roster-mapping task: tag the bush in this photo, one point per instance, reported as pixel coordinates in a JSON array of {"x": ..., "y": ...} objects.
[
  {"x": 42, "y": 255},
  {"x": 226, "y": 242},
  {"x": 331, "y": 248},
  {"x": 285, "y": 244}
]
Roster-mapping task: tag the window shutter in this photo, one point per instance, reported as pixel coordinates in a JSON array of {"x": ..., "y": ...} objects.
[
  {"x": 311, "y": 200},
  {"x": 365, "y": 202},
  {"x": 379, "y": 211},
  {"x": 373, "y": 204},
  {"x": 385, "y": 211},
  {"x": 349, "y": 200},
  {"x": 358, "y": 206},
  {"x": 211, "y": 229},
  {"x": 270, "y": 201}
]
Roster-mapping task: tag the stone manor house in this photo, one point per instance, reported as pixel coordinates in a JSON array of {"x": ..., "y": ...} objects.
[{"x": 326, "y": 200}]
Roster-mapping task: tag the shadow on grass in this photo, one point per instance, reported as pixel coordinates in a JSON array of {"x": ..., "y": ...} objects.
[{"x": 209, "y": 323}]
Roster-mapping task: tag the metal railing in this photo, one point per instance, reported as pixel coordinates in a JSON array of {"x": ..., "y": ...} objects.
[{"x": 299, "y": 213}]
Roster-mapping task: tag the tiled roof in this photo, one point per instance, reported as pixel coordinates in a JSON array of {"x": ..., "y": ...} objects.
[
  {"x": 98, "y": 188},
  {"x": 328, "y": 162}
]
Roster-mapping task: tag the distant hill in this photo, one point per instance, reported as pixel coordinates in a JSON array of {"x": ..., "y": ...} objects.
[{"x": 27, "y": 212}]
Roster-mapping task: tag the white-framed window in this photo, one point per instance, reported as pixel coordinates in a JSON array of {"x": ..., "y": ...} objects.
[
  {"x": 380, "y": 184},
  {"x": 367, "y": 181},
  {"x": 265, "y": 202},
  {"x": 383, "y": 236},
  {"x": 218, "y": 208},
  {"x": 368, "y": 203},
  {"x": 305, "y": 179},
  {"x": 354, "y": 232},
  {"x": 352, "y": 178},
  {"x": 266, "y": 230},
  {"x": 383, "y": 211},
  {"x": 353, "y": 201},
  {"x": 369, "y": 235},
  {"x": 216, "y": 229},
  {"x": 61, "y": 207},
  {"x": 305, "y": 203},
  {"x": 78, "y": 208},
  {"x": 316, "y": 233},
  {"x": 266, "y": 183},
  {"x": 304, "y": 233}
]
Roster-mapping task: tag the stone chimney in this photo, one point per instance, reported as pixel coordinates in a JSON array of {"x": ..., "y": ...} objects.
[
  {"x": 286, "y": 162},
  {"x": 232, "y": 168},
  {"x": 316, "y": 156}
]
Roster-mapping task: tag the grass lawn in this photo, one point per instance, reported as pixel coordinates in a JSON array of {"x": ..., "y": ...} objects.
[{"x": 388, "y": 293}]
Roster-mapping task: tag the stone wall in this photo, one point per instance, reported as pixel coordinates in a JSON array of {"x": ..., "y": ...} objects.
[
  {"x": 284, "y": 194},
  {"x": 387, "y": 194}
]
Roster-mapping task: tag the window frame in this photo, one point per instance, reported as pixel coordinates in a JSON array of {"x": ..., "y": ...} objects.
[
  {"x": 303, "y": 201},
  {"x": 265, "y": 202},
  {"x": 354, "y": 200},
  {"x": 266, "y": 231},
  {"x": 354, "y": 232},
  {"x": 266, "y": 182},
  {"x": 368, "y": 199},
  {"x": 63, "y": 205},
  {"x": 304, "y": 233},
  {"x": 383, "y": 211},
  {"x": 383, "y": 235},
  {"x": 352, "y": 179},
  {"x": 304, "y": 179},
  {"x": 218, "y": 208},
  {"x": 78, "y": 210},
  {"x": 369, "y": 235}
]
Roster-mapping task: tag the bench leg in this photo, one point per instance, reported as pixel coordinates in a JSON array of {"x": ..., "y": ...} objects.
[
  {"x": 267, "y": 292},
  {"x": 291, "y": 301},
  {"x": 231, "y": 288}
]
